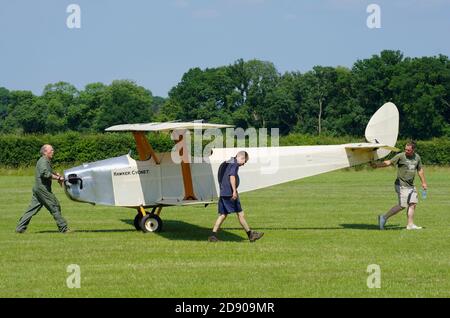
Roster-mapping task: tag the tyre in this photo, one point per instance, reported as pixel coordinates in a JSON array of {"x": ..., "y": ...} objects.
[
  {"x": 151, "y": 223},
  {"x": 137, "y": 221}
]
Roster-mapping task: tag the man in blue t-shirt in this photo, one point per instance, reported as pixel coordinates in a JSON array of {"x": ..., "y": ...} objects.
[{"x": 229, "y": 199}]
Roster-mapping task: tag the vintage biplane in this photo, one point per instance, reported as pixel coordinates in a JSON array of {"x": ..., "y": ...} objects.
[{"x": 156, "y": 180}]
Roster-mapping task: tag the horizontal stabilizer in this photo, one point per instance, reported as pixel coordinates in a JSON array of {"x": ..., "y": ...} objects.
[
  {"x": 165, "y": 126},
  {"x": 371, "y": 146}
]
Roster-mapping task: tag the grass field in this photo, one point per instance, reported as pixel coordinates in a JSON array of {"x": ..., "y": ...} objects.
[{"x": 320, "y": 236}]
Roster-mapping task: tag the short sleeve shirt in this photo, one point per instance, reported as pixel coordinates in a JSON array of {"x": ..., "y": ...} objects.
[
  {"x": 231, "y": 169},
  {"x": 407, "y": 167}
]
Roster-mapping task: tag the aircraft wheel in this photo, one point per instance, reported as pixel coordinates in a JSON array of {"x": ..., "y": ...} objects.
[
  {"x": 151, "y": 223},
  {"x": 137, "y": 221}
]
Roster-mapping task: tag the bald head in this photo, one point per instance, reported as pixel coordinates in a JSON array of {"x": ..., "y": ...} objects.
[{"x": 47, "y": 151}]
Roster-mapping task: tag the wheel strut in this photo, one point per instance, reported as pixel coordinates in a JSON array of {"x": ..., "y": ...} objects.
[{"x": 148, "y": 221}]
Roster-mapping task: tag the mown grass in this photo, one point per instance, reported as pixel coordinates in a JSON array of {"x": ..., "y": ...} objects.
[{"x": 320, "y": 236}]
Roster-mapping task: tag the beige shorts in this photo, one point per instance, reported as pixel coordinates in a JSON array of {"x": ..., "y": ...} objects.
[{"x": 406, "y": 195}]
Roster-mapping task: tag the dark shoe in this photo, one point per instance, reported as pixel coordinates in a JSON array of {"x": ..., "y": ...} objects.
[
  {"x": 255, "y": 236},
  {"x": 213, "y": 239},
  {"x": 20, "y": 231}
]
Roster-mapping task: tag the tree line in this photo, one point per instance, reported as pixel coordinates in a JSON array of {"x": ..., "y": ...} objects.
[{"x": 325, "y": 100}]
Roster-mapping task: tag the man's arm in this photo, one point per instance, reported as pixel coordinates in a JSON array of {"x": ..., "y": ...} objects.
[
  {"x": 392, "y": 162},
  {"x": 233, "y": 186},
  {"x": 45, "y": 171},
  {"x": 383, "y": 164},
  {"x": 422, "y": 178},
  {"x": 58, "y": 177}
]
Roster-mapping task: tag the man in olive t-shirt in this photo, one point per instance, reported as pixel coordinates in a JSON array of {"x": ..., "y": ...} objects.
[
  {"x": 42, "y": 193},
  {"x": 407, "y": 163}
]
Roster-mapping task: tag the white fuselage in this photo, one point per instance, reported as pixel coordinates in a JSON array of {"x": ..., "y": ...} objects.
[{"x": 123, "y": 181}]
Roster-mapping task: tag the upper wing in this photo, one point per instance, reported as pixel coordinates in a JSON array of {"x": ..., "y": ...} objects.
[
  {"x": 144, "y": 148},
  {"x": 165, "y": 126}
]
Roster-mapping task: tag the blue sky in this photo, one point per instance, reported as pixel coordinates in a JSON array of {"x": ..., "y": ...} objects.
[{"x": 153, "y": 42}]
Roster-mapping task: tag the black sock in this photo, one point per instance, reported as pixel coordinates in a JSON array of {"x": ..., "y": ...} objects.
[
  {"x": 214, "y": 233},
  {"x": 248, "y": 233}
]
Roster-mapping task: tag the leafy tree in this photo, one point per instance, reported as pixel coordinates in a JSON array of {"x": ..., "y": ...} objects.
[
  {"x": 4, "y": 100},
  {"x": 317, "y": 88},
  {"x": 263, "y": 78},
  {"x": 123, "y": 102},
  {"x": 372, "y": 78},
  {"x": 82, "y": 116},
  {"x": 232, "y": 94},
  {"x": 157, "y": 104},
  {"x": 22, "y": 114},
  {"x": 4, "y": 96},
  {"x": 344, "y": 115},
  {"x": 282, "y": 107},
  {"x": 31, "y": 116},
  {"x": 331, "y": 100},
  {"x": 422, "y": 87},
  {"x": 58, "y": 98},
  {"x": 202, "y": 95}
]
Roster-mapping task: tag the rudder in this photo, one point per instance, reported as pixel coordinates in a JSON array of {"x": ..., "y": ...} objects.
[{"x": 383, "y": 128}]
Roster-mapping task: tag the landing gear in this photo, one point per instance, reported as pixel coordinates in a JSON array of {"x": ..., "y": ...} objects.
[
  {"x": 137, "y": 221},
  {"x": 148, "y": 221},
  {"x": 151, "y": 223}
]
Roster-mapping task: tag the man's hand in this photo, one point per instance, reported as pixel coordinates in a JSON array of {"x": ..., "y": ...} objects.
[
  {"x": 60, "y": 180},
  {"x": 233, "y": 186},
  {"x": 424, "y": 186},
  {"x": 382, "y": 164}
]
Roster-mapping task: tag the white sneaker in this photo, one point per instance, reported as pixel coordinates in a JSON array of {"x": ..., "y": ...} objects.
[
  {"x": 413, "y": 227},
  {"x": 381, "y": 222}
]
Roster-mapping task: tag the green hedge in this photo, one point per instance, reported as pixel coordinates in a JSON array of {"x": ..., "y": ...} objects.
[
  {"x": 71, "y": 148},
  {"x": 433, "y": 152}
]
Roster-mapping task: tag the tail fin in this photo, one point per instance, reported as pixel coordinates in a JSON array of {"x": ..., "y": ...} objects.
[{"x": 383, "y": 128}]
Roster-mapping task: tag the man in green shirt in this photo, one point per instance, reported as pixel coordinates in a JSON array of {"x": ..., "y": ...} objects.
[
  {"x": 407, "y": 164},
  {"x": 42, "y": 193}
]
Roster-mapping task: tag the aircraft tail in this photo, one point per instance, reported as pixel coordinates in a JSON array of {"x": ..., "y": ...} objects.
[{"x": 383, "y": 128}]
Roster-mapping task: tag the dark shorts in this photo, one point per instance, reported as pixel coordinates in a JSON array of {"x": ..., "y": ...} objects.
[{"x": 227, "y": 205}]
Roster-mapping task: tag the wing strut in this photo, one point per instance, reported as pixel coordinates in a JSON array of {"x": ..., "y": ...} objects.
[
  {"x": 144, "y": 148},
  {"x": 185, "y": 169}
]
